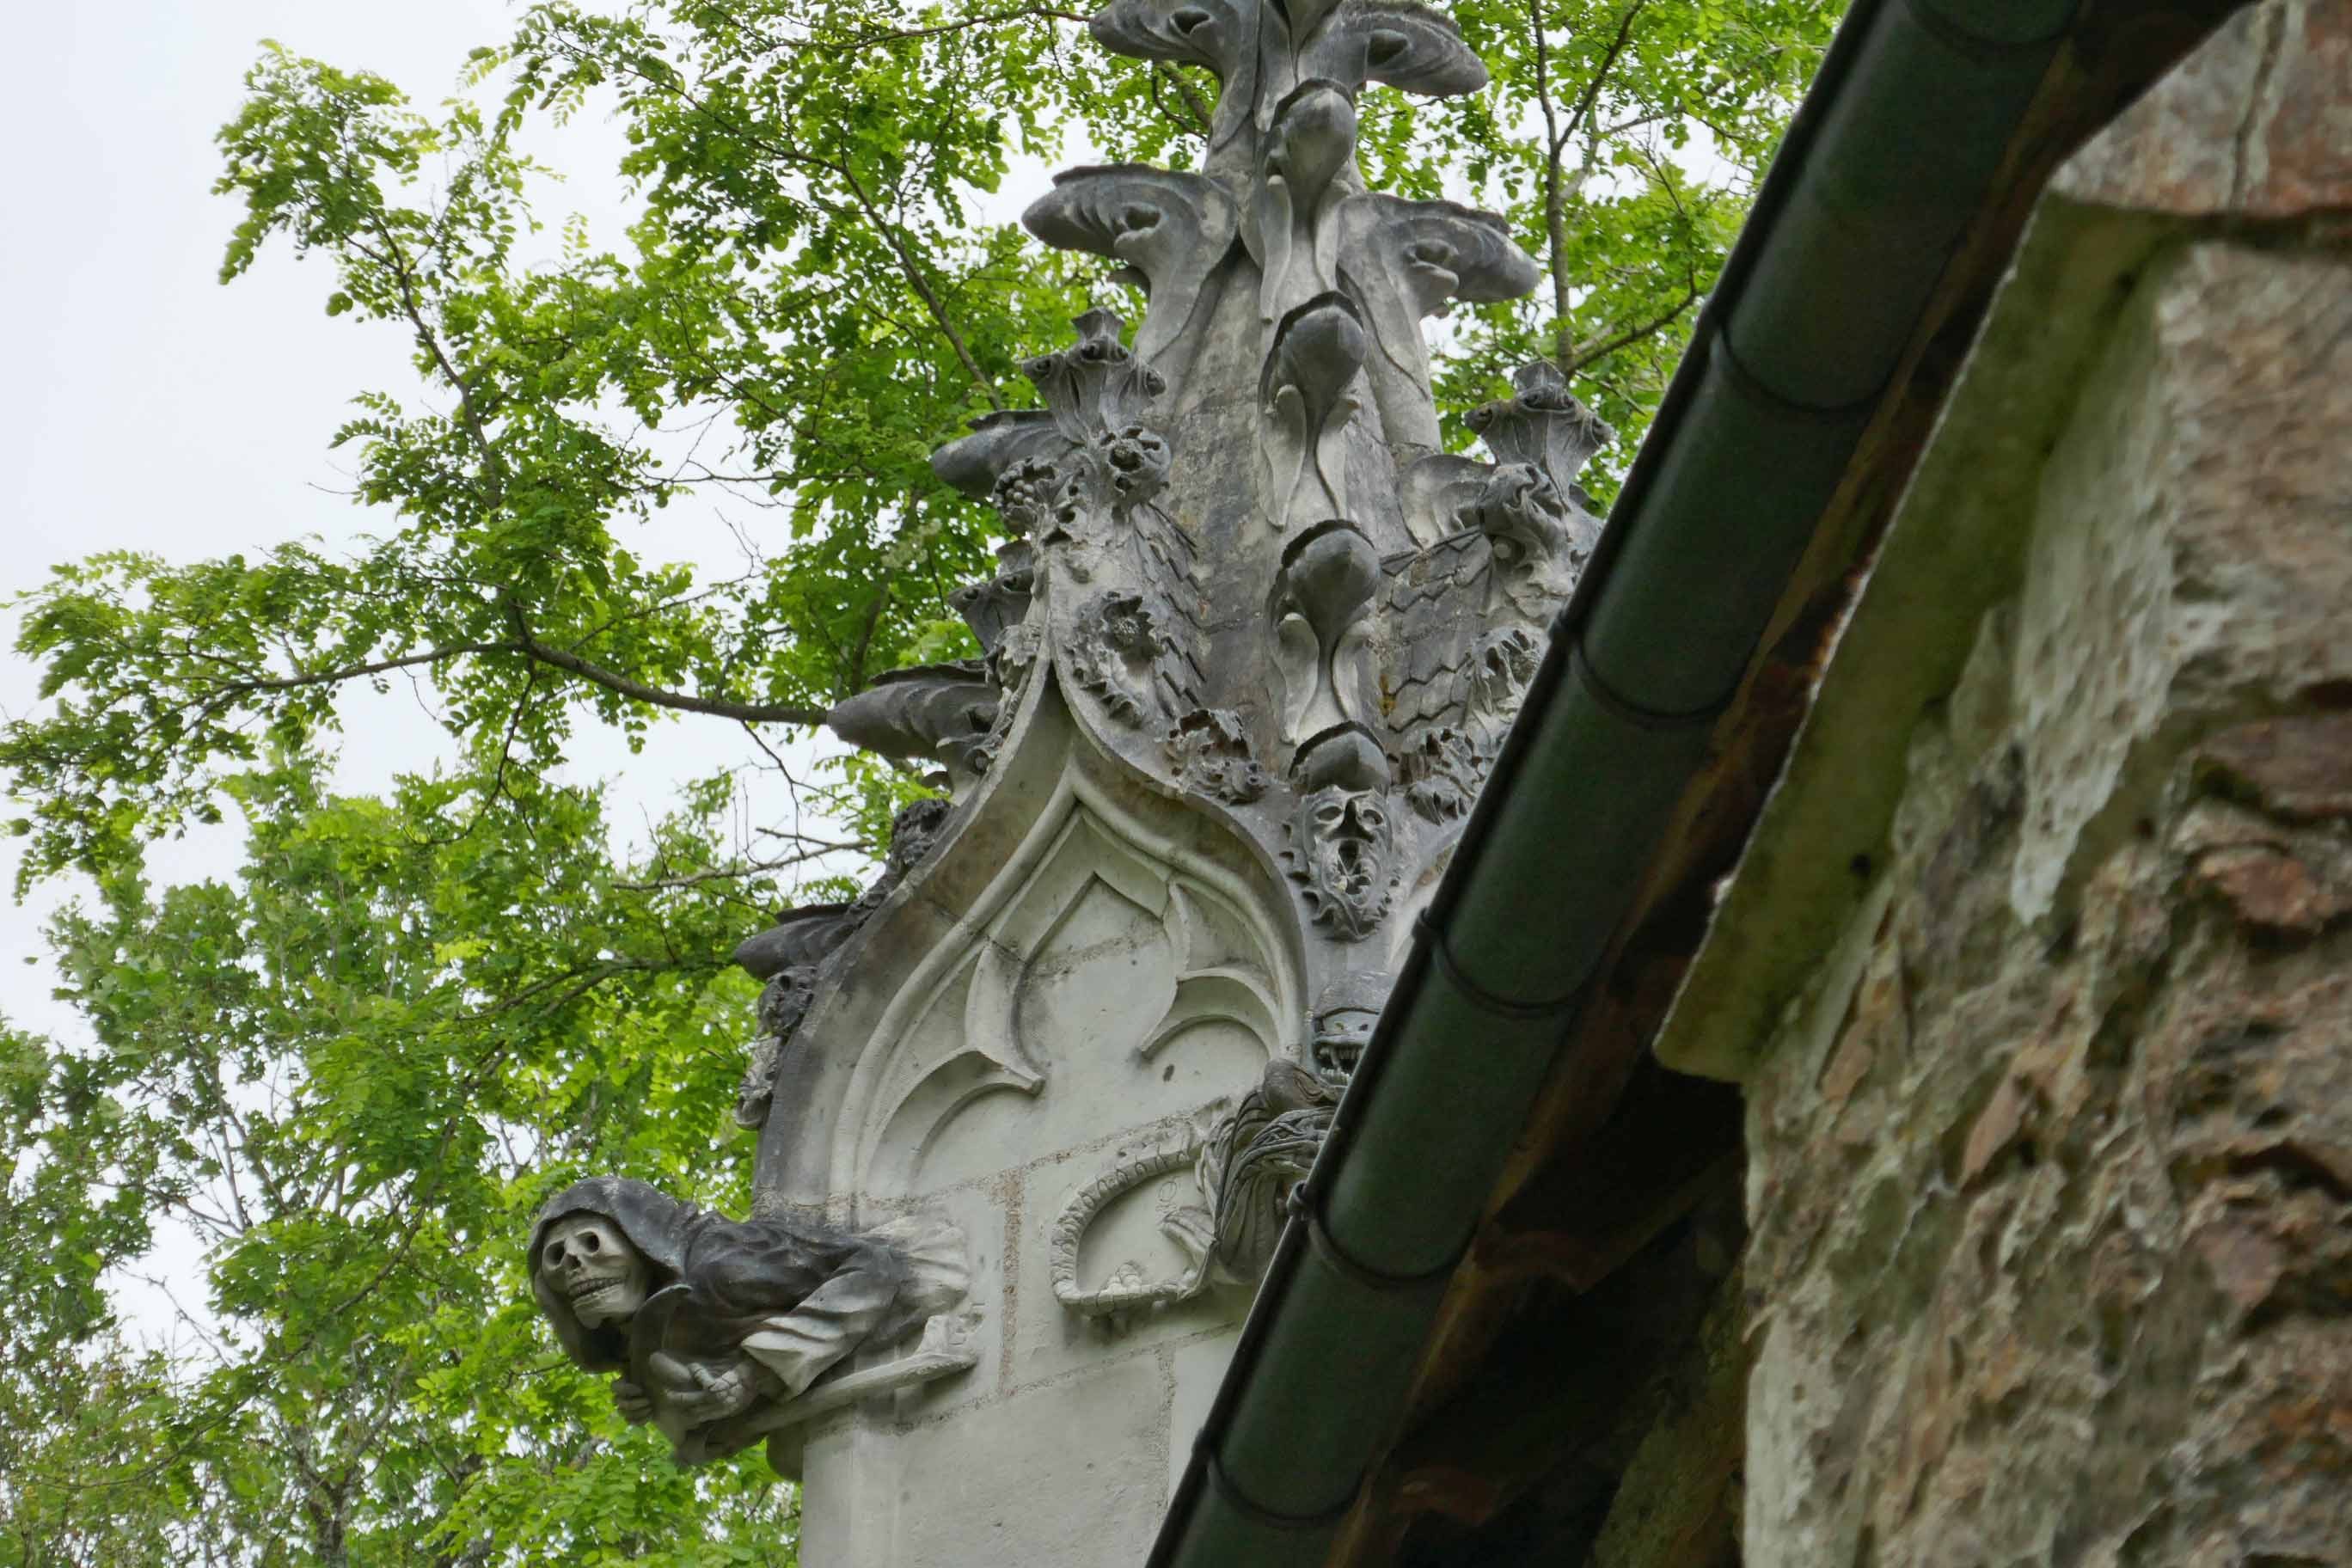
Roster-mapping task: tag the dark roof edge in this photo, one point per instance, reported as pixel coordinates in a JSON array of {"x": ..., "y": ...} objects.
[{"x": 1892, "y": 153}]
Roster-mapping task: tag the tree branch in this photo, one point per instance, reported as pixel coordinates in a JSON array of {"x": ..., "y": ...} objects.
[
  {"x": 654, "y": 696},
  {"x": 1591, "y": 349},
  {"x": 531, "y": 647},
  {"x": 818, "y": 849},
  {"x": 353, "y": 671},
  {"x": 1202, "y": 115},
  {"x": 921, "y": 284}
]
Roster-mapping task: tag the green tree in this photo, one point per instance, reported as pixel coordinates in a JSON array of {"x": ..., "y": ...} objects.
[{"x": 354, "y": 1068}]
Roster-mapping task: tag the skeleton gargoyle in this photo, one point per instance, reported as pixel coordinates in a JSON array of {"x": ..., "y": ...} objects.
[{"x": 724, "y": 1330}]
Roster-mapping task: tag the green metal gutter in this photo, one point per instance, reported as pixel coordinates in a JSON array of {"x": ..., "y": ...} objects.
[{"x": 1889, "y": 157}]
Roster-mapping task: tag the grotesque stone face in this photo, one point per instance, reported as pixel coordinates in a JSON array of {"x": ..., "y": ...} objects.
[
  {"x": 589, "y": 1263},
  {"x": 1341, "y": 847}
]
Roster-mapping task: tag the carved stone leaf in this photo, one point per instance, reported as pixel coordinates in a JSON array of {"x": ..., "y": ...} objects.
[
  {"x": 935, "y": 710},
  {"x": 1222, "y": 34},
  {"x": 1291, "y": 229},
  {"x": 1219, "y": 34},
  {"x": 1211, "y": 753},
  {"x": 1437, "y": 490},
  {"x": 1408, "y": 47},
  {"x": 999, "y": 442},
  {"x": 1301, "y": 17},
  {"x": 1115, "y": 655},
  {"x": 1541, "y": 540},
  {"x": 1408, "y": 260},
  {"x": 993, "y": 608},
  {"x": 1170, "y": 226}
]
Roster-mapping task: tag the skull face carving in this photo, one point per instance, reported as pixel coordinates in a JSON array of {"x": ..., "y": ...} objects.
[{"x": 587, "y": 1261}]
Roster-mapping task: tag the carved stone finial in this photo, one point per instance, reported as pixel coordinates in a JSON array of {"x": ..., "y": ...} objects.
[
  {"x": 1096, "y": 383},
  {"x": 1542, "y": 424},
  {"x": 721, "y": 1331}
]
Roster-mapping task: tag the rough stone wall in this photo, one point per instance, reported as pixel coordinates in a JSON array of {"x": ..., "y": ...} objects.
[{"x": 2052, "y": 1179}]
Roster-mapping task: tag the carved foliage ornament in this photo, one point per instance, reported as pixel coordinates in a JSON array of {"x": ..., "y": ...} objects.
[
  {"x": 1096, "y": 383},
  {"x": 1211, "y": 753},
  {"x": 1120, "y": 656}
]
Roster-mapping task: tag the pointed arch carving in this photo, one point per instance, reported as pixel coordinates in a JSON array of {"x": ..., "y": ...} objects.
[{"x": 1083, "y": 957}]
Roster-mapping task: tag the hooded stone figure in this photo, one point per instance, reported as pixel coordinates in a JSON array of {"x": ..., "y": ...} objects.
[{"x": 716, "y": 1325}]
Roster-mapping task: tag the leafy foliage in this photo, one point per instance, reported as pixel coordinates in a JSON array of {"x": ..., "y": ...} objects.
[{"x": 352, "y": 1071}]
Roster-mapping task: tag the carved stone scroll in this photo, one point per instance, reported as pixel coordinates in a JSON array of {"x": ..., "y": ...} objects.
[
  {"x": 1223, "y": 35},
  {"x": 1410, "y": 47}
]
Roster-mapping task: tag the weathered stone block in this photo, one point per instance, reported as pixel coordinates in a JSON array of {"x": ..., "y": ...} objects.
[
  {"x": 1071, "y": 1475},
  {"x": 2052, "y": 1190}
]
